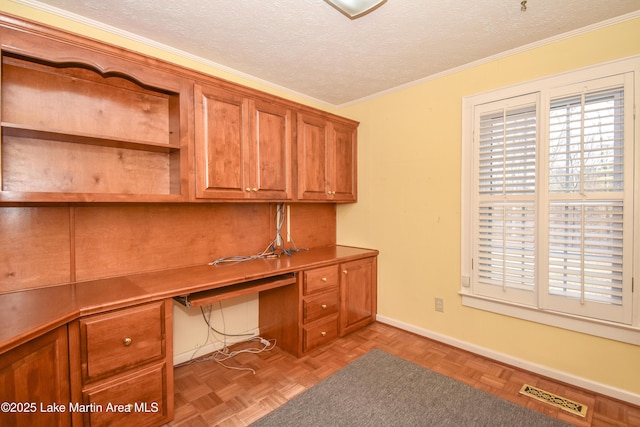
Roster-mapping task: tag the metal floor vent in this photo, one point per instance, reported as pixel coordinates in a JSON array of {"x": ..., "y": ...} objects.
[{"x": 555, "y": 400}]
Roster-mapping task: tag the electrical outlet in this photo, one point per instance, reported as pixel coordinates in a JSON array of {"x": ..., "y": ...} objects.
[{"x": 439, "y": 304}]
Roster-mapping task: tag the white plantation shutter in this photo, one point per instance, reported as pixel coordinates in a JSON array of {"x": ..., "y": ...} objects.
[
  {"x": 504, "y": 217},
  {"x": 551, "y": 198},
  {"x": 506, "y": 245},
  {"x": 586, "y": 251},
  {"x": 589, "y": 219}
]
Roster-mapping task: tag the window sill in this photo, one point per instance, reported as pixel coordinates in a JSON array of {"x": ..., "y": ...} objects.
[{"x": 613, "y": 331}]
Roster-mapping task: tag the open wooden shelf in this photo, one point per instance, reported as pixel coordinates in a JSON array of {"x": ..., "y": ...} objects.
[
  {"x": 23, "y": 131},
  {"x": 71, "y": 133}
]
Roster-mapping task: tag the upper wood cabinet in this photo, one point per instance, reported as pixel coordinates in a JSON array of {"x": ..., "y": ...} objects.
[
  {"x": 79, "y": 124},
  {"x": 327, "y": 169},
  {"x": 243, "y": 146},
  {"x": 83, "y": 121}
]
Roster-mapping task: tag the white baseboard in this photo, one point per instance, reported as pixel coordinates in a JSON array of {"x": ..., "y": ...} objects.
[
  {"x": 194, "y": 354},
  {"x": 520, "y": 363}
]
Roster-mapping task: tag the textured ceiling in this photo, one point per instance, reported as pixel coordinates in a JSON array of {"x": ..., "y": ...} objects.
[{"x": 308, "y": 47}]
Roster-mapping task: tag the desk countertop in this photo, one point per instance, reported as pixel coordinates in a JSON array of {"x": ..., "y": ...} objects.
[{"x": 28, "y": 314}]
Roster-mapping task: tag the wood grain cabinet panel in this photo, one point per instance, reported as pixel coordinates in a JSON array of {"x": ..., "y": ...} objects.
[
  {"x": 35, "y": 376},
  {"x": 72, "y": 133},
  {"x": 122, "y": 366},
  {"x": 319, "y": 333},
  {"x": 270, "y": 150},
  {"x": 358, "y": 302},
  {"x": 320, "y": 279},
  {"x": 319, "y": 306},
  {"x": 327, "y": 156},
  {"x": 243, "y": 146},
  {"x": 137, "y": 400},
  {"x": 116, "y": 341}
]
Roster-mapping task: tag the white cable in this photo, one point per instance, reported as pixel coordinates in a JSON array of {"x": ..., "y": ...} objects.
[{"x": 224, "y": 354}]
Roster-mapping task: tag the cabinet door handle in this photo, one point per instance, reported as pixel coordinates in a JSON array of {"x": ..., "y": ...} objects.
[
  {"x": 345, "y": 271},
  {"x": 324, "y": 306},
  {"x": 127, "y": 341},
  {"x": 323, "y": 333},
  {"x": 247, "y": 189},
  {"x": 254, "y": 189},
  {"x": 324, "y": 279}
]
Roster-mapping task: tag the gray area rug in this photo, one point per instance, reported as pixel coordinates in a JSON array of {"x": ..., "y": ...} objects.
[{"x": 379, "y": 389}]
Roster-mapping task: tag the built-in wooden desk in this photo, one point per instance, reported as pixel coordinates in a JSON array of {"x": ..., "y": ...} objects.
[{"x": 110, "y": 340}]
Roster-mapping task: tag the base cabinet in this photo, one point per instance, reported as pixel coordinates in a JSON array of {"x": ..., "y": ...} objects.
[
  {"x": 137, "y": 399},
  {"x": 34, "y": 382},
  {"x": 122, "y": 365},
  {"x": 325, "y": 303},
  {"x": 320, "y": 308},
  {"x": 357, "y": 294}
]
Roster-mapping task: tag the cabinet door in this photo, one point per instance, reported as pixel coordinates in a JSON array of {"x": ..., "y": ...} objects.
[
  {"x": 313, "y": 167},
  {"x": 221, "y": 133},
  {"x": 358, "y": 294},
  {"x": 270, "y": 151},
  {"x": 343, "y": 186},
  {"x": 36, "y": 376},
  {"x": 326, "y": 159}
]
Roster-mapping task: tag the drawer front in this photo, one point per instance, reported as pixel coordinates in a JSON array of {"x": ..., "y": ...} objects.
[
  {"x": 116, "y": 341},
  {"x": 320, "y": 279},
  {"x": 319, "y": 333},
  {"x": 137, "y": 400},
  {"x": 319, "y": 306}
]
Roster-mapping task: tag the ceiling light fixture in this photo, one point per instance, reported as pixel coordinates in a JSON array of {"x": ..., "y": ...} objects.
[{"x": 355, "y": 8}]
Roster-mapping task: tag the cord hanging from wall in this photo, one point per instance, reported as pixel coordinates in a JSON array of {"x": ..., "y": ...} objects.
[
  {"x": 275, "y": 248},
  {"x": 523, "y": 6}
]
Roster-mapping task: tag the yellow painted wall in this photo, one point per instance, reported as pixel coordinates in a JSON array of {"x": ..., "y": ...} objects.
[
  {"x": 409, "y": 208},
  {"x": 409, "y": 199}
]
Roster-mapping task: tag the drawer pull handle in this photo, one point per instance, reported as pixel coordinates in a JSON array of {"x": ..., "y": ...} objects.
[
  {"x": 127, "y": 341},
  {"x": 324, "y": 279},
  {"x": 324, "y": 306},
  {"x": 323, "y": 333},
  {"x": 345, "y": 271}
]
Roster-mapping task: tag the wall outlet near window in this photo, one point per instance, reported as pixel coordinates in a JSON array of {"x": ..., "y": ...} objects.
[{"x": 439, "y": 304}]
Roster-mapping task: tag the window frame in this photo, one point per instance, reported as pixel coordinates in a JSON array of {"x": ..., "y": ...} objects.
[{"x": 540, "y": 88}]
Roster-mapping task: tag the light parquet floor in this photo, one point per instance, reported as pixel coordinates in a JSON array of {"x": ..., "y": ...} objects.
[{"x": 208, "y": 394}]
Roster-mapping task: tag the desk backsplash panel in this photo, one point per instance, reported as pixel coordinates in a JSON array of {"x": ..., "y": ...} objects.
[
  {"x": 49, "y": 245},
  {"x": 34, "y": 247}
]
